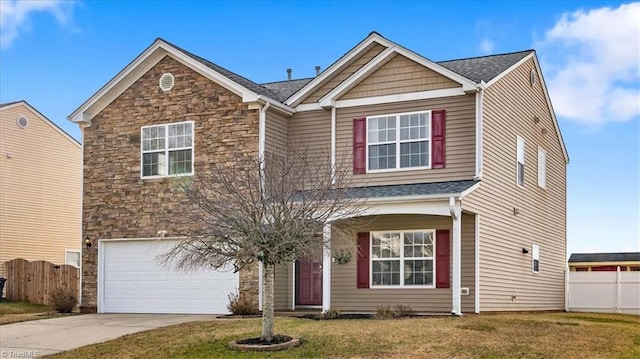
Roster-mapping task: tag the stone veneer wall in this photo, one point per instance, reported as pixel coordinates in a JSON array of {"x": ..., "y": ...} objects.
[{"x": 117, "y": 203}]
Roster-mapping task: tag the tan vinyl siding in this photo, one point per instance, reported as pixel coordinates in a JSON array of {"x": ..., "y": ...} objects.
[
  {"x": 283, "y": 288},
  {"x": 506, "y": 279},
  {"x": 399, "y": 75},
  {"x": 40, "y": 191},
  {"x": 345, "y": 296},
  {"x": 460, "y": 140},
  {"x": 311, "y": 130},
  {"x": 357, "y": 63},
  {"x": 276, "y": 134}
]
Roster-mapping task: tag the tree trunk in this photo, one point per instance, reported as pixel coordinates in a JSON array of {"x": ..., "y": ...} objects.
[{"x": 267, "y": 302}]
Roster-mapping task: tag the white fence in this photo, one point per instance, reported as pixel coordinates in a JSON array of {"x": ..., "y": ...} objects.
[{"x": 604, "y": 292}]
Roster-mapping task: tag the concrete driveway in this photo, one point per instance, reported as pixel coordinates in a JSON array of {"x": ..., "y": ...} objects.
[{"x": 48, "y": 336}]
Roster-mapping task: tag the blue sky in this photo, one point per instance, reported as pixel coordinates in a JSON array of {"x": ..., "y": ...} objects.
[{"x": 55, "y": 54}]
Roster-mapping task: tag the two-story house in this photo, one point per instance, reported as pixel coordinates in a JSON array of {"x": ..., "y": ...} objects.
[
  {"x": 40, "y": 188},
  {"x": 461, "y": 164}
]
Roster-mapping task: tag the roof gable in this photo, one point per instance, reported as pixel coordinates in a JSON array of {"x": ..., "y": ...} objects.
[
  {"x": 43, "y": 118},
  {"x": 379, "y": 60},
  {"x": 247, "y": 89}
]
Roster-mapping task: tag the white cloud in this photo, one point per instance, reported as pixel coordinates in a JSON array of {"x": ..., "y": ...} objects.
[
  {"x": 14, "y": 15},
  {"x": 487, "y": 46},
  {"x": 592, "y": 60}
]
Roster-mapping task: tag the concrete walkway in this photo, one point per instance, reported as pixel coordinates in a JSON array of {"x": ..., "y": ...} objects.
[{"x": 49, "y": 336}]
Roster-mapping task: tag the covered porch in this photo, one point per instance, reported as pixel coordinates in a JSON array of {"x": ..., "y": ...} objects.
[{"x": 417, "y": 247}]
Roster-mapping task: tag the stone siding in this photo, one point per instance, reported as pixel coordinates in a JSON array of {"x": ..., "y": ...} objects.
[{"x": 117, "y": 203}]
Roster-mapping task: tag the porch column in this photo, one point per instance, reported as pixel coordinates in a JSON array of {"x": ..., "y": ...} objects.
[
  {"x": 326, "y": 267},
  {"x": 454, "y": 209}
]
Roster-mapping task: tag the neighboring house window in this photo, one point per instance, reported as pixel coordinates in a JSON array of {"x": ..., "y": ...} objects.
[
  {"x": 402, "y": 258},
  {"x": 398, "y": 141},
  {"x": 520, "y": 162},
  {"x": 167, "y": 149},
  {"x": 535, "y": 258},
  {"x": 72, "y": 257},
  {"x": 542, "y": 168}
]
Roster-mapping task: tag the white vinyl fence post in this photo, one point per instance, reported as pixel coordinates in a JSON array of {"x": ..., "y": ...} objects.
[
  {"x": 567, "y": 273},
  {"x": 618, "y": 292}
]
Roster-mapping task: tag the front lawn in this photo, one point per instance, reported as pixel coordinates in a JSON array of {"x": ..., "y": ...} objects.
[
  {"x": 12, "y": 312},
  {"x": 521, "y": 335}
]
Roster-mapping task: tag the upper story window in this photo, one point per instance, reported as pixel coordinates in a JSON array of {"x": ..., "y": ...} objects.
[
  {"x": 399, "y": 141},
  {"x": 542, "y": 168},
  {"x": 403, "y": 258},
  {"x": 520, "y": 161},
  {"x": 167, "y": 149}
]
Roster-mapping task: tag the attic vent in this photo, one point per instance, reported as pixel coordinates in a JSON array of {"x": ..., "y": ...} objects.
[
  {"x": 166, "y": 81},
  {"x": 22, "y": 121},
  {"x": 533, "y": 78}
]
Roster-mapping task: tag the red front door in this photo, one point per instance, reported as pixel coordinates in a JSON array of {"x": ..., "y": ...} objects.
[{"x": 309, "y": 282}]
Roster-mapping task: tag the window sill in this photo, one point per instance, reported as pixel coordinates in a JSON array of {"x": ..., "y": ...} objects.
[
  {"x": 398, "y": 169},
  {"x": 402, "y": 287},
  {"x": 165, "y": 176}
]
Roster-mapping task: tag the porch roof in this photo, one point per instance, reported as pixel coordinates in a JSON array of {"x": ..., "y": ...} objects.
[
  {"x": 445, "y": 189},
  {"x": 604, "y": 257}
]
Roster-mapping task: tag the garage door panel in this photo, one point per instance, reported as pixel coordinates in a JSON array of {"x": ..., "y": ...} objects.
[{"x": 134, "y": 281}]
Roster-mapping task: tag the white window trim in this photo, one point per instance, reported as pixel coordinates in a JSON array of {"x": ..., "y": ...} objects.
[
  {"x": 535, "y": 256},
  {"x": 73, "y": 251},
  {"x": 398, "y": 142},
  {"x": 401, "y": 258},
  {"x": 520, "y": 156},
  {"x": 542, "y": 168},
  {"x": 166, "y": 150}
]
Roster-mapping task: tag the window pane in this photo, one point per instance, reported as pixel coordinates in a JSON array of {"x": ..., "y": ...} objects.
[
  {"x": 382, "y": 156},
  {"x": 385, "y": 272},
  {"x": 418, "y": 272},
  {"x": 179, "y": 162},
  {"x": 150, "y": 164}
]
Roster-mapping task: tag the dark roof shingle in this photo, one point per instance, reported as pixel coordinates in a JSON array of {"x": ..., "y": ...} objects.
[
  {"x": 284, "y": 89},
  {"x": 484, "y": 68},
  {"x": 418, "y": 189},
  {"x": 605, "y": 257}
]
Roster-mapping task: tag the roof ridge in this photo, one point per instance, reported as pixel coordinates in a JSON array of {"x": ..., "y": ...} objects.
[
  {"x": 486, "y": 56},
  {"x": 275, "y": 82}
]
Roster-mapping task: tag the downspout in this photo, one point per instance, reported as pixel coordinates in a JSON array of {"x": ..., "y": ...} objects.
[
  {"x": 333, "y": 145},
  {"x": 456, "y": 212},
  {"x": 479, "y": 133}
]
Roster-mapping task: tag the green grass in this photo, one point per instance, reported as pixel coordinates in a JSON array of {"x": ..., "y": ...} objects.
[
  {"x": 521, "y": 335},
  {"x": 12, "y": 312}
]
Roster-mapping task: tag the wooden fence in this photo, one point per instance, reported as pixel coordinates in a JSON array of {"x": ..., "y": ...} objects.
[
  {"x": 33, "y": 281},
  {"x": 604, "y": 292}
]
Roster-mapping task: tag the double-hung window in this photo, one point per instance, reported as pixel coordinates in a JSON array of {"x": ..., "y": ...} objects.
[
  {"x": 399, "y": 141},
  {"x": 167, "y": 149},
  {"x": 535, "y": 258},
  {"x": 402, "y": 258}
]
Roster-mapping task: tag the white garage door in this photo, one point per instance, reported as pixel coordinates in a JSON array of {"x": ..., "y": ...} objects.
[{"x": 134, "y": 282}]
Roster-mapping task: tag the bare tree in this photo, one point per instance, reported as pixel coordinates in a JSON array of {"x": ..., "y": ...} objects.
[{"x": 270, "y": 210}]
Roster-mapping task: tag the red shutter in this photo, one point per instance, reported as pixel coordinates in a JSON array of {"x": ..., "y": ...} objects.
[
  {"x": 437, "y": 138},
  {"x": 363, "y": 260},
  {"x": 359, "y": 146},
  {"x": 442, "y": 258}
]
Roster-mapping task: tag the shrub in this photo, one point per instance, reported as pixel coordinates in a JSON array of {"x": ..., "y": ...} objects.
[
  {"x": 64, "y": 299},
  {"x": 404, "y": 311},
  {"x": 241, "y": 304},
  {"x": 384, "y": 312},
  {"x": 332, "y": 313}
]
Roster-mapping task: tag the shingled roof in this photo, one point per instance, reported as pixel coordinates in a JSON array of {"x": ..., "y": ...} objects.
[
  {"x": 605, "y": 257},
  {"x": 242, "y": 81},
  {"x": 284, "y": 89},
  {"x": 476, "y": 69},
  {"x": 418, "y": 189},
  {"x": 484, "y": 68}
]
